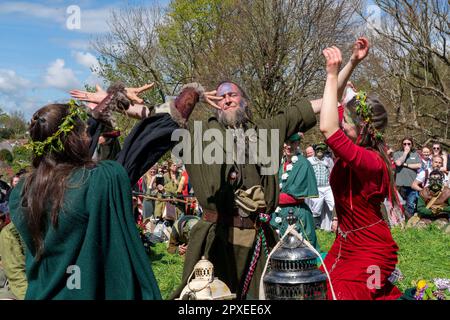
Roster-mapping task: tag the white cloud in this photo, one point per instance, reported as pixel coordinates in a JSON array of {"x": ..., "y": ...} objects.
[
  {"x": 59, "y": 77},
  {"x": 79, "y": 44},
  {"x": 95, "y": 20},
  {"x": 33, "y": 9},
  {"x": 92, "y": 20},
  {"x": 86, "y": 59},
  {"x": 10, "y": 82}
]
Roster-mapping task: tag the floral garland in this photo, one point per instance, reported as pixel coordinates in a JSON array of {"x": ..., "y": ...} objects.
[
  {"x": 54, "y": 142},
  {"x": 364, "y": 111}
]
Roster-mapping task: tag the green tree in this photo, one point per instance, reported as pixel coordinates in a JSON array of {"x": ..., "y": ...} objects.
[
  {"x": 272, "y": 48},
  {"x": 22, "y": 157},
  {"x": 6, "y": 156},
  {"x": 410, "y": 68},
  {"x": 12, "y": 125}
]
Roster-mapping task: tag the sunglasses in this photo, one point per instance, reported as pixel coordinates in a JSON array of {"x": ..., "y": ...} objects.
[
  {"x": 407, "y": 143},
  {"x": 434, "y": 148}
]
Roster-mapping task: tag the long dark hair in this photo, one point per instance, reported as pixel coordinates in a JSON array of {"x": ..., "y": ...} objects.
[
  {"x": 368, "y": 137},
  {"x": 45, "y": 186}
]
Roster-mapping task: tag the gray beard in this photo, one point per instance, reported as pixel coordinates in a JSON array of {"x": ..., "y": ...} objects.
[{"x": 238, "y": 119}]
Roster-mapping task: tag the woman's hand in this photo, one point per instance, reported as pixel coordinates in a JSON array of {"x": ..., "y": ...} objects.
[
  {"x": 333, "y": 59},
  {"x": 132, "y": 93},
  {"x": 100, "y": 94},
  {"x": 360, "y": 50},
  {"x": 329, "y": 117},
  {"x": 93, "y": 97}
]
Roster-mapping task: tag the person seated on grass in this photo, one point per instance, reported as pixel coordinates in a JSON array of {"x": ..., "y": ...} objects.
[
  {"x": 433, "y": 205},
  {"x": 179, "y": 237},
  {"x": 12, "y": 253}
]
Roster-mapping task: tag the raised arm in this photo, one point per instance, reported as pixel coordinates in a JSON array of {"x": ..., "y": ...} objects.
[
  {"x": 329, "y": 118},
  {"x": 136, "y": 110},
  {"x": 359, "y": 52}
]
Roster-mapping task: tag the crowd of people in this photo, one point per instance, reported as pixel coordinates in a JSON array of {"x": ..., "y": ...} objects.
[{"x": 77, "y": 208}]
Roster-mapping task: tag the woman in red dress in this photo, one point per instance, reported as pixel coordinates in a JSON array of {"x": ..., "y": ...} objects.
[{"x": 364, "y": 254}]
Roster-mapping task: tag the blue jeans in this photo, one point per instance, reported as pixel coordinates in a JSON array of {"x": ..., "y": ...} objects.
[{"x": 410, "y": 196}]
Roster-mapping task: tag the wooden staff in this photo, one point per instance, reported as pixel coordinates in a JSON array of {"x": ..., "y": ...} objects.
[{"x": 147, "y": 197}]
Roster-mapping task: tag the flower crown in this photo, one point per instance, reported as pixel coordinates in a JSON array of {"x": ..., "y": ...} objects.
[
  {"x": 54, "y": 142},
  {"x": 364, "y": 111}
]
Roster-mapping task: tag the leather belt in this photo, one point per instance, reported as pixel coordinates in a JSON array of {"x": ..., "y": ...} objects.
[
  {"x": 296, "y": 203},
  {"x": 234, "y": 219}
]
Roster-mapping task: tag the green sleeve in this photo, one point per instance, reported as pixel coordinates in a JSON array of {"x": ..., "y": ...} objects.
[
  {"x": 447, "y": 208},
  {"x": 13, "y": 260},
  {"x": 422, "y": 208},
  {"x": 297, "y": 118}
]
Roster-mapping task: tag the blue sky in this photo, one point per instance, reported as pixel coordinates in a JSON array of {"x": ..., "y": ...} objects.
[{"x": 41, "y": 58}]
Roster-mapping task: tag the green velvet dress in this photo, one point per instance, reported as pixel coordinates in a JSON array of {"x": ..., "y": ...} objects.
[{"x": 95, "y": 251}]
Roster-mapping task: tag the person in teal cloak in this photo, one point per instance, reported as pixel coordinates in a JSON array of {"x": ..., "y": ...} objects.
[
  {"x": 75, "y": 217},
  {"x": 297, "y": 182}
]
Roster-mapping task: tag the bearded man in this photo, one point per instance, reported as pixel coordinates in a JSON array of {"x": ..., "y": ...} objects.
[{"x": 236, "y": 196}]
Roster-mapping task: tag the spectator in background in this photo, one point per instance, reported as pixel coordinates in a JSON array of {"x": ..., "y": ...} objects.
[
  {"x": 108, "y": 146},
  {"x": 12, "y": 253},
  {"x": 179, "y": 236},
  {"x": 433, "y": 205},
  {"x": 437, "y": 151},
  {"x": 425, "y": 157},
  {"x": 4, "y": 188},
  {"x": 322, "y": 207},
  {"x": 422, "y": 180},
  {"x": 148, "y": 186},
  {"x": 309, "y": 152},
  {"x": 14, "y": 181},
  {"x": 407, "y": 162}
]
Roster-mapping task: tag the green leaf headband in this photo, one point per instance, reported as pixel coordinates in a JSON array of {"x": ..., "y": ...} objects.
[
  {"x": 364, "y": 111},
  {"x": 54, "y": 142}
]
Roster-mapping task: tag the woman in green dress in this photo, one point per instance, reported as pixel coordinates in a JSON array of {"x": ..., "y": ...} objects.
[{"x": 75, "y": 217}]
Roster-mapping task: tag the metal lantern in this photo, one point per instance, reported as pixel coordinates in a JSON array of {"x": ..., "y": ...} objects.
[
  {"x": 293, "y": 271},
  {"x": 205, "y": 286}
]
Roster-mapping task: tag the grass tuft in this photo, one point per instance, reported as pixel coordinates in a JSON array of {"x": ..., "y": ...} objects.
[{"x": 424, "y": 254}]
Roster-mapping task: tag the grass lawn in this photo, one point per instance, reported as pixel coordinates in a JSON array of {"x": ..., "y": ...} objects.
[{"x": 423, "y": 254}]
